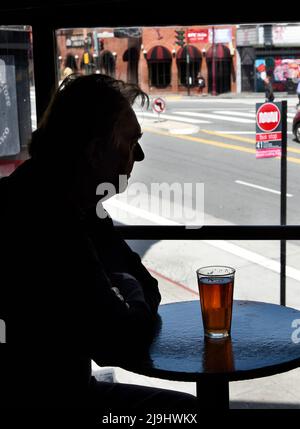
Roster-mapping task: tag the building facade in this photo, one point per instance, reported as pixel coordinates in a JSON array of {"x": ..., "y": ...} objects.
[
  {"x": 160, "y": 59},
  {"x": 272, "y": 50}
]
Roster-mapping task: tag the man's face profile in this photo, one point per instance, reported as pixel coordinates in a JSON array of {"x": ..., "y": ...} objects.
[
  {"x": 114, "y": 165},
  {"x": 127, "y": 147}
]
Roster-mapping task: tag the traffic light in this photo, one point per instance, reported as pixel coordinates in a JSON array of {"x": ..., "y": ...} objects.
[{"x": 180, "y": 37}]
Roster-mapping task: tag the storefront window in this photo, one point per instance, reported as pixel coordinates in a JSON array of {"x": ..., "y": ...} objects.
[{"x": 160, "y": 74}]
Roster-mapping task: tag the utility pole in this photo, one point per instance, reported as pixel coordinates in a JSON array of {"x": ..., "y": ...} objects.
[
  {"x": 180, "y": 40},
  {"x": 188, "y": 68},
  {"x": 213, "y": 63}
]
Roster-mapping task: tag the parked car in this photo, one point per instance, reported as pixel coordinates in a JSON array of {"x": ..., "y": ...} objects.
[{"x": 296, "y": 125}]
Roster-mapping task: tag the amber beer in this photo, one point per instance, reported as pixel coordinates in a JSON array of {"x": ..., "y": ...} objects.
[{"x": 216, "y": 296}]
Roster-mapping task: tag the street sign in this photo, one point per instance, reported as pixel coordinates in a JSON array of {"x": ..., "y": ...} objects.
[
  {"x": 159, "y": 105},
  {"x": 197, "y": 35},
  {"x": 268, "y": 129}
]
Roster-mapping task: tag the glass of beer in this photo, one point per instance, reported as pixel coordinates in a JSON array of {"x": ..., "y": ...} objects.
[{"x": 216, "y": 296}]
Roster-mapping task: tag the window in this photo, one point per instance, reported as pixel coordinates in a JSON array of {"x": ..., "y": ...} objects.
[
  {"x": 189, "y": 60},
  {"x": 17, "y": 99},
  {"x": 160, "y": 74}
]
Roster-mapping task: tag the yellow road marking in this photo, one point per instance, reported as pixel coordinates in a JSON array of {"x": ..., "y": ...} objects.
[
  {"x": 200, "y": 140},
  {"x": 242, "y": 139},
  {"x": 214, "y": 143}
]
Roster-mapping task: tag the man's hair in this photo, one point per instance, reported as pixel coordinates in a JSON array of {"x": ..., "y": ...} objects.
[{"x": 83, "y": 108}]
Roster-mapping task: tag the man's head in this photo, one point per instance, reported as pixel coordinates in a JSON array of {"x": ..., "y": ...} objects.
[{"x": 89, "y": 133}]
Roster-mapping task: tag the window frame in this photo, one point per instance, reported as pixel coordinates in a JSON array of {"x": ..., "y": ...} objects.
[{"x": 45, "y": 19}]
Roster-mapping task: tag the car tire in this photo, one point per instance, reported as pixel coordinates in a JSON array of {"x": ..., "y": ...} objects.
[{"x": 297, "y": 132}]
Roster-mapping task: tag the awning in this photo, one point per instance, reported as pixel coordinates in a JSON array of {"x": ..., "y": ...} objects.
[
  {"x": 194, "y": 53},
  {"x": 221, "y": 52},
  {"x": 159, "y": 54},
  {"x": 131, "y": 54}
]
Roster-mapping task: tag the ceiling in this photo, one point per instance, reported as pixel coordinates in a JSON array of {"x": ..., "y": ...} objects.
[{"x": 117, "y": 13}]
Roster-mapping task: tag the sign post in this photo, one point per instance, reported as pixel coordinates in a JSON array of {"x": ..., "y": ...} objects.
[
  {"x": 283, "y": 188},
  {"x": 271, "y": 141},
  {"x": 159, "y": 106}
]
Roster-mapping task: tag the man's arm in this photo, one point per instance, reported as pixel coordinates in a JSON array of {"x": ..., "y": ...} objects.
[
  {"x": 118, "y": 322},
  {"x": 117, "y": 256}
]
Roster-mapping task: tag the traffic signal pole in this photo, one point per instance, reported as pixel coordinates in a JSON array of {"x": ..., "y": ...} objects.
[{"x": 180, "y": 41}]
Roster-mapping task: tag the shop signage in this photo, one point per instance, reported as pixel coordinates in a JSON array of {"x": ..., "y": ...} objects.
[
  {"x": 285, "y": 35},
  {"x": 105, "y": 35},
  {"x": 78, "y": 41},
  {"x": 128, "y": 32},
  {"x": 222, "y": 35},
  {"x": 197, "y": 35},
  {"x": 268, "y": 129}
]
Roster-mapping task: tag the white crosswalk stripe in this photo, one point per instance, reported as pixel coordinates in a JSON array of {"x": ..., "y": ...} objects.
[
  {"x": 290, "y": 116},
  {"x": 172, "y": 117},
  {"x": 219, "y": 117},
  {"x": 233, "y": 112},
  {"x": 215, "y": 116}
]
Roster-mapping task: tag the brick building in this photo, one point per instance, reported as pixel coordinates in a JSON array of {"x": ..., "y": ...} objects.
[{"x": 151, "y": 57}]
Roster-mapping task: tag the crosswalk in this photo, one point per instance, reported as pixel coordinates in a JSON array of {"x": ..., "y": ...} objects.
[
  {"x": 173, "y": 117},
  {"x": 212, "y": 117}
]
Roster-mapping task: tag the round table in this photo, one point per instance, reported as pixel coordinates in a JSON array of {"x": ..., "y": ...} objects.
[{"x": 264, "y": 341}]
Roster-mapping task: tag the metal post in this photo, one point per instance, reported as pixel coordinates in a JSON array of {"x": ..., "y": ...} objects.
[
  {"x": 213, "y": 63},
  {"x": 283, "y": 189},
  {"x": 188, "y": 68}
]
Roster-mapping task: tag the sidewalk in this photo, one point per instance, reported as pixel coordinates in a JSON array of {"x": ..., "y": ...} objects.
[
  {"x": 279, "y": 391},
  {"x": 227, "y": 95}
]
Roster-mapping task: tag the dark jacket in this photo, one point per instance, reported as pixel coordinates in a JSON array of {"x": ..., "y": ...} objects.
[
  {"x": 269, "y": 91},
  {"x": 56, "y": 298}
]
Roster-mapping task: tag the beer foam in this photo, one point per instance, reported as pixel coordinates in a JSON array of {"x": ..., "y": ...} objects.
[{"x": 219, "y": 281}]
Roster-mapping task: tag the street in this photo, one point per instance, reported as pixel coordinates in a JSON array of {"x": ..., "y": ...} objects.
[
  {"x": 238, "y": 188},
  {"x": 212, "y": 141}
]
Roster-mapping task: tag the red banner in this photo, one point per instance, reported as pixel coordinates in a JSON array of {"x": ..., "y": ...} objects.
[
  {"x": 197, "y": 35},
  {"x": 269, "y": 136},
  {"x": 268, "y": 153}
]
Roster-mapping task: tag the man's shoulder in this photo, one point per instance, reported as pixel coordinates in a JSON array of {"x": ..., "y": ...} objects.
[{"x": 5, "y": 191}]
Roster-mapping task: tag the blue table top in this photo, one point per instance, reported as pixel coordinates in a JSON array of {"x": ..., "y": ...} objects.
[{"x": 261, "y": 343}]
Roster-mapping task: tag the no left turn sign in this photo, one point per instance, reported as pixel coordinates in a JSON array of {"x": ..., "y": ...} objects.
[{"x": 159, "y": 105}]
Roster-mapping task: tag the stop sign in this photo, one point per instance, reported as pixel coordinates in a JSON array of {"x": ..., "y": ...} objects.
[{"x": 268, "y": 117}]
